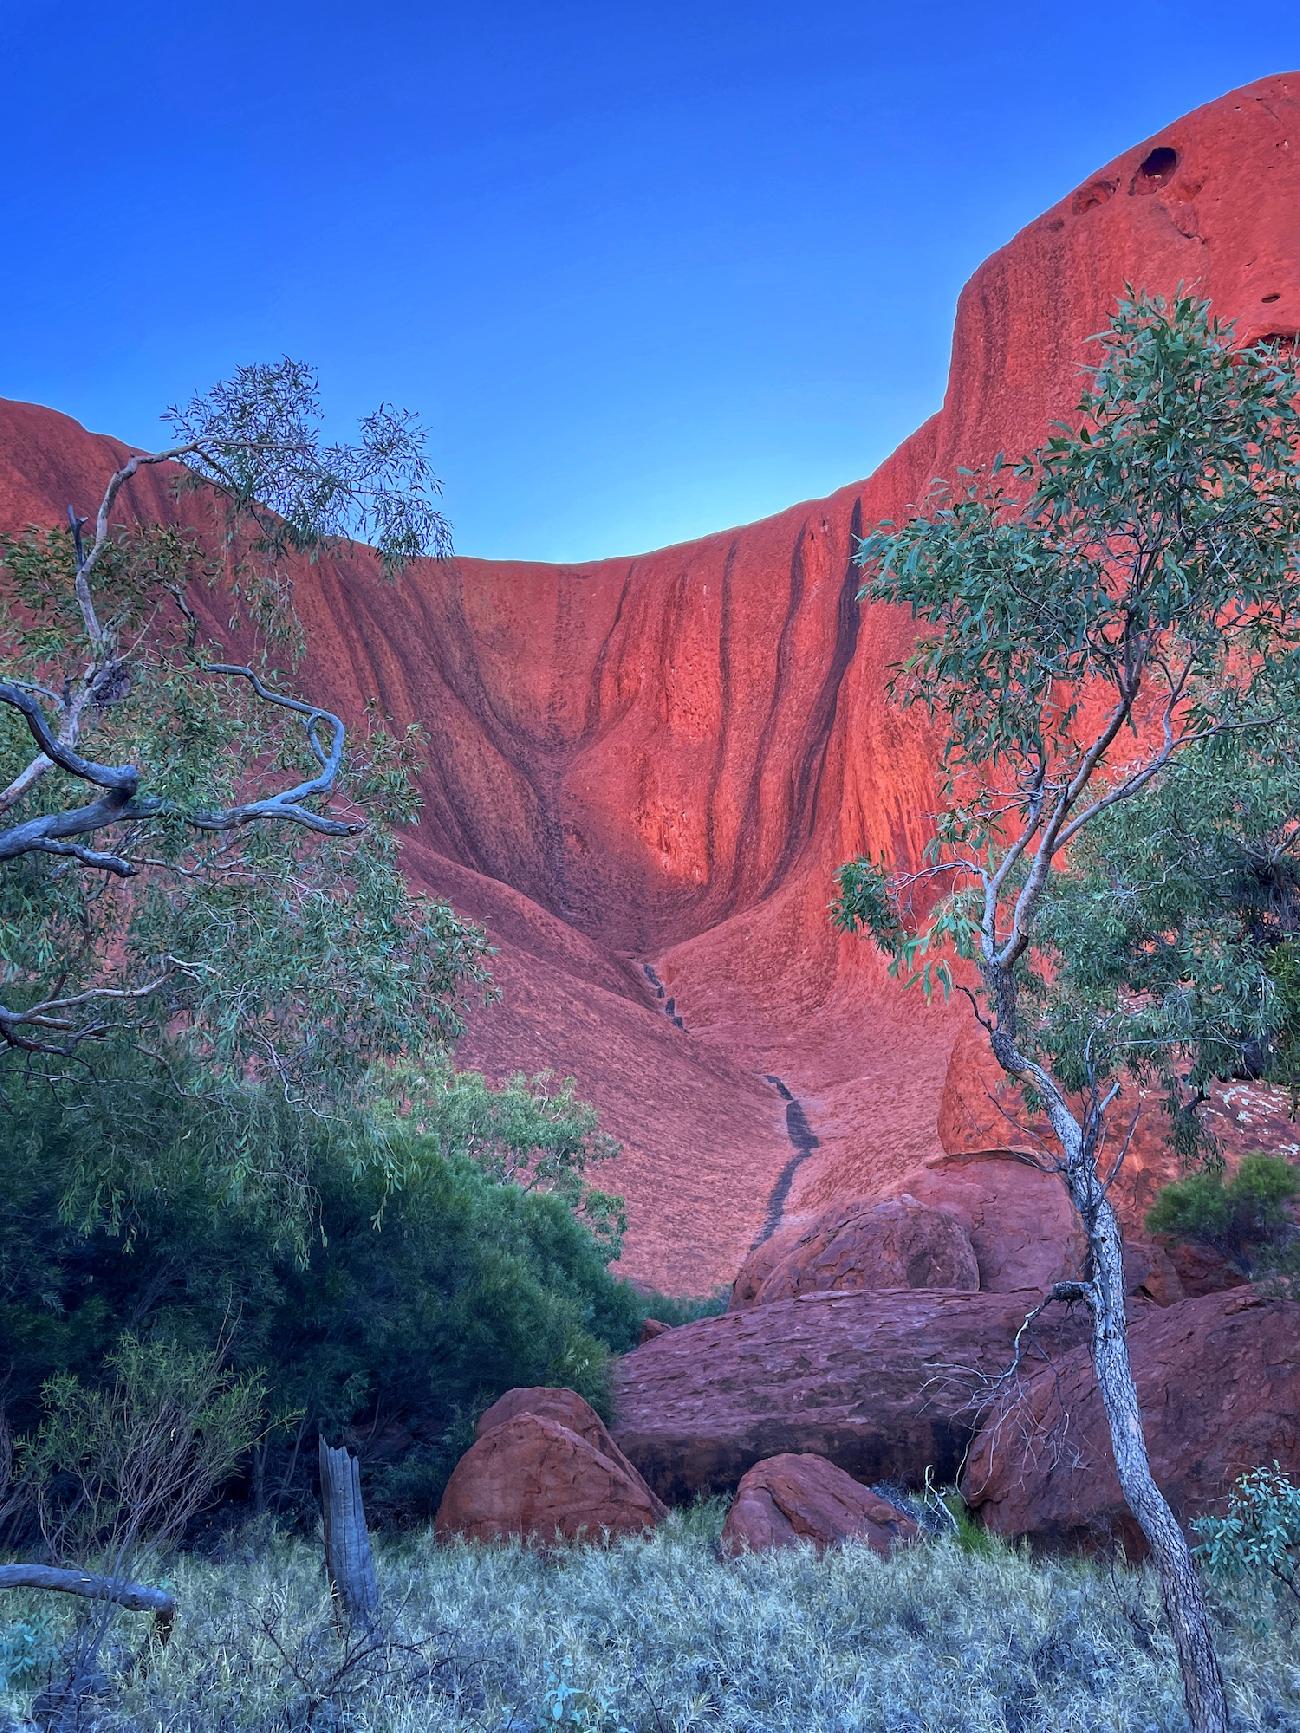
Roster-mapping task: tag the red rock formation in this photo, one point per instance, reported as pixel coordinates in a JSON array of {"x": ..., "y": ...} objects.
[
  {"x": 661, "y": 760},
  {"x": 1219, "y": 1383},
  {"x": 556, "y": 1403},
  {"x": 543, "y": 1467},
  {"x": 1020, "y": 1220},
  {"x": 899, "y": 1243},
  {"x": 789, "y": 1499},
  {"x": 879, "y": 1383}
]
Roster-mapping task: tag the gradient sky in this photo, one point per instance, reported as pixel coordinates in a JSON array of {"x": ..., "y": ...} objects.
[{"x": 646, "y": 271}]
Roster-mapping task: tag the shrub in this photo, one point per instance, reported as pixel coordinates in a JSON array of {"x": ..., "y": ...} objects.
[
  {"x": 132, "y": 1462},
  {"x": 1258, "y": 1539},
  {"x": 671, "y": 1310},
  {"x": 1240, "y": 1217},
  {"x": 411, "y": 1308}
]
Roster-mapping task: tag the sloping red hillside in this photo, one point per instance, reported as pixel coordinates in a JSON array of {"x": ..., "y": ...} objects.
[{"x": 646, "y": 769}]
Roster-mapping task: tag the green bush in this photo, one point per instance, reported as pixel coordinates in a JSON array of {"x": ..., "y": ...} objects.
[
  {"x": 1240, "y": 1217},
  {"x": 131, "y": 1462},
  {"x": 1257, "y": 1541},
  {"x": 411, "y": 1308},
  {"x": 672, "y": 1310}
]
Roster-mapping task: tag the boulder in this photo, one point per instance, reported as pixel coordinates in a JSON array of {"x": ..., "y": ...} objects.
[
  {"x": 553, "y": 1402},
  {"x": 765, "y": 1257},
  {"x": 543, "y": 1468},
  {"x": 1219, "y": 1383},
  {"x": 895, "y": 1243},
  {"x": 881, "y": 1384},
  {"x": 1200, "y": 1268},
  {"x": 652, "y": 1327},
  {"x": 1021, "y": 1223},
  {"x": 792, "y": 1498}
]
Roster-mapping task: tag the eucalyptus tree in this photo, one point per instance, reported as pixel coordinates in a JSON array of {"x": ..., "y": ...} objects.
[
  {"x": 199, "y": 887},
  {"x": 1108, "y": 649}
]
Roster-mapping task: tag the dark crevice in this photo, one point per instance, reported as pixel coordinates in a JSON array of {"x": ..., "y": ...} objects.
[
  {"x": 804, "y": 1142},
  {"x": 669, "y": 1006}
]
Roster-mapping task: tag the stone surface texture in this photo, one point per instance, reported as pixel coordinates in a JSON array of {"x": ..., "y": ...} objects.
[
  {"x": 881, "y": 1384},
  {"x": 1219, "y": 1383},
  {"x": 897, "y": 1243},
  {"x": 789, "y": 1499},
  {"x": 543, "y": 1468}
]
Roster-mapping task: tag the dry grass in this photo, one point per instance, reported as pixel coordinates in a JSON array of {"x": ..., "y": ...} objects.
[{"x": 661, "y": 1637}]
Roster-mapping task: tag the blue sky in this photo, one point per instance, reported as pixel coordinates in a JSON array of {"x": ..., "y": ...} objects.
[{"x": 646, "y": 271}]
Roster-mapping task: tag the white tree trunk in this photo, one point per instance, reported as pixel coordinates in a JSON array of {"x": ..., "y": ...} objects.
[{"x": 1180, "y": 1583}]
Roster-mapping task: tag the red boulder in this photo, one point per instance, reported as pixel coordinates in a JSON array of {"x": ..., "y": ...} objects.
[
  {"x": 1219, "y": 1383},
  {"x": 556, "y": 1403},
  {"x": 544, "y": 1468},
  {"x": 792, "y": 1498},
  {"x": 1150, "y": 1273},
  {"x": 1200, "y": 1269},
  {"x": 1020, "y": 1220},
  {"x": 897, "y": 1243},
  {"x": 882, "y": 1384}
]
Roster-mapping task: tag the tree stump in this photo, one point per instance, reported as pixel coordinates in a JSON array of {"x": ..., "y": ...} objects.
[{"x": 349, "y": 1563}]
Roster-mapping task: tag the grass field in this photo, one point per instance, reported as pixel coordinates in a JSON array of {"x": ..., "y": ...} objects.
[{"x": 661, "y": 1635}]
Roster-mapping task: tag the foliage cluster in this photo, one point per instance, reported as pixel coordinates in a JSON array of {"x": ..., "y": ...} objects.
[
  {"x": 1257, "y": 1540},
  {"x": 130, "y": 1461},
  {"x": 409, "y": 1308},
  {"x": 226, "y": 1022},
  {"x": 1108, "y": 642},
  {"x": 1247, "y": 1217}
]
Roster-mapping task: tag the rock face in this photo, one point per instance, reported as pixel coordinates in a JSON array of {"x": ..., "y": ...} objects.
[
  {"x": 544, "y": 1468},
  {"x": 1150, "y": 1273},
  {"x": 878, "y": 1383},
  {"x": 658, "y": 761},
  {"x": 1021, "y": 1223},
  {"x": 899, "y": 1243},
  {"x": 793, "y": 1498},
  {"x": 1219, "y": 1383},
  {"x": 1200, "y": 1269}
]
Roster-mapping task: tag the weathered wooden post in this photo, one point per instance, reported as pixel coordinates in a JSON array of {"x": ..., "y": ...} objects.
[{"x": 349, "y": 1562}]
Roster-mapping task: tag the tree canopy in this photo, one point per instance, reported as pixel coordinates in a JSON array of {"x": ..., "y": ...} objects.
[
  {"x": 1108, "y": 651},
  {"x": 199, "y": 885},
  {"x": 1109, "y": 641}
]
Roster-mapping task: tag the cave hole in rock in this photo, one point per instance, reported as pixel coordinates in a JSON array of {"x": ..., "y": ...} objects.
[
  {"x": 1267, "y": 299},
  {"x": 1156, "y": 169},
  {"x": 1095, "y": 193}
]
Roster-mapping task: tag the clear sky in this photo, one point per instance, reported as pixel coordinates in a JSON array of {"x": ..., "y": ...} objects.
[{"x": 646, "y": 270}]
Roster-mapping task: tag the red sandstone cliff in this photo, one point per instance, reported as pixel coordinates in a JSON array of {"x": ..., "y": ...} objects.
[{"x": 661, "y": 760}]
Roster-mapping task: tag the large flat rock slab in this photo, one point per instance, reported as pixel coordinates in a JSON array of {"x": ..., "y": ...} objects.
[{"x": 884, "y": 1384}]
